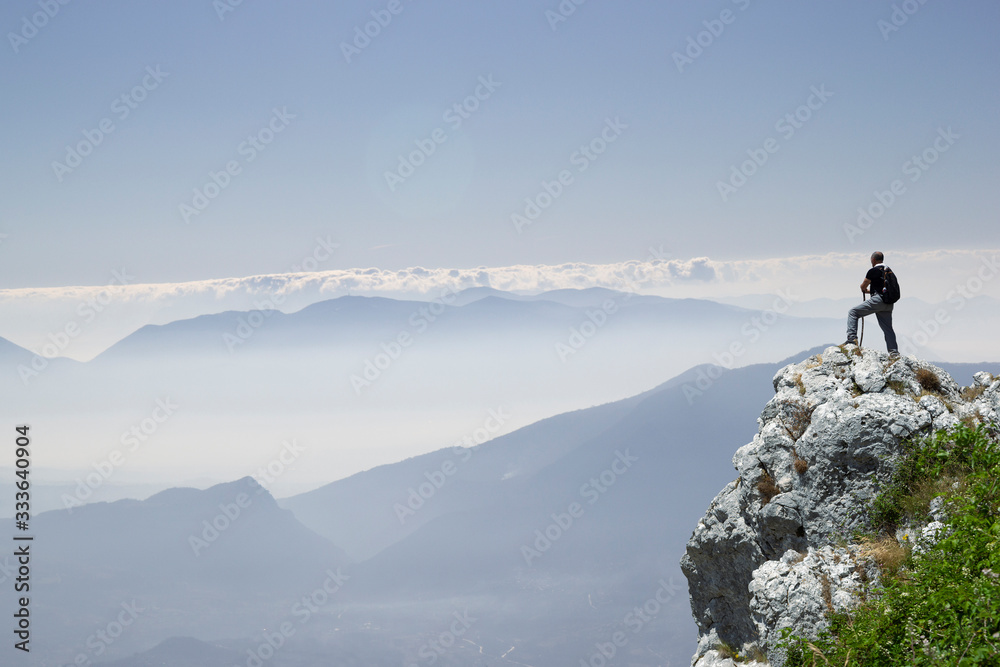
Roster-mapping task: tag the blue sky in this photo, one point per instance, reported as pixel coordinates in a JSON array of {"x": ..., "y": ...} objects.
[{"x": 323, "y": 174}]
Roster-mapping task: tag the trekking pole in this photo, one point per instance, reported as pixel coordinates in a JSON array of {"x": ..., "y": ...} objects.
[{"x": 861, "y": 338}]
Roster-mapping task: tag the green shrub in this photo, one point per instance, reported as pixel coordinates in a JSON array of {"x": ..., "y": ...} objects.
[{"x": 942, "y": 606}]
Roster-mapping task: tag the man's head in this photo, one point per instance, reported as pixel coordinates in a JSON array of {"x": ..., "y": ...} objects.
[{"x": 877, "y": 258}]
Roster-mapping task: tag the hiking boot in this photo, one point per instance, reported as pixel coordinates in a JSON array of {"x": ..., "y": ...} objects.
[{"x": 850, "y": 341}]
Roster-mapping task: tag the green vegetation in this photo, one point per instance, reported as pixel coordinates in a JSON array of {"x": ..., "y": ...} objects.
[
  {"x": 942, "y": 606},
  {"x": 727, "y": 651}
]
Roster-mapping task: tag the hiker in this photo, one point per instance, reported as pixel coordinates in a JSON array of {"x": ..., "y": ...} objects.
[{"x": 884, "y": 293}]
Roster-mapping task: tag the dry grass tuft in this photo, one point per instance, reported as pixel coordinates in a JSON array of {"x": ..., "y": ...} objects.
[
  {"x": 799, "y": 463},
  {"x": 924, "y": 392},
  {"x": 756, "y": 654},
  {"x": 801, "y": 385},
  {"x": 972, "y": 393},
  {"x": 767, "y": 487},
  {"x": 885, "y": 551},
  {"x": 827, "y": 593},
  {"x": 928, "y": 379},
  {"x": 796, "y": 419}
]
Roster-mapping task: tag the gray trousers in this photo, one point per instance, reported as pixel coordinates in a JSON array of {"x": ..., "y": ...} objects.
[{"x": 883, "y": 311}]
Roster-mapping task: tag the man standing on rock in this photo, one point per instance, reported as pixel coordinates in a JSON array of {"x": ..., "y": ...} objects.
[{"x": 874, "y": 281}]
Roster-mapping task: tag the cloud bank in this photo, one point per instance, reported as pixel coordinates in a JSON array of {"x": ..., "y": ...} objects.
[{"x": 107, "y": 313}]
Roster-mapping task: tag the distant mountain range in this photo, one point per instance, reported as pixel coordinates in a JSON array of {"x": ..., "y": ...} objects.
[
  {"x": 548, "y": 537},
  {"x": 537, "y": 543},
  {"x": 365, "y": 381},
  {"x": 334, "y": 375}
]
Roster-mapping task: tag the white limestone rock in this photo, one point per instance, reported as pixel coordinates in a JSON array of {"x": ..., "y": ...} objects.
[
  {"x": 799, "y": 589},
  {"x": 714, "y": 658},
  {"x": 842, "y": 416}
]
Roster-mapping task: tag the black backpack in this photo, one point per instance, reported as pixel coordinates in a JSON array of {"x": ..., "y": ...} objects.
[{"x": 890, "y": 286}]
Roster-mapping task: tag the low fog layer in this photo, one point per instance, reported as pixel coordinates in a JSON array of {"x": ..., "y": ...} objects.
[{"x": 356, "y": 382}]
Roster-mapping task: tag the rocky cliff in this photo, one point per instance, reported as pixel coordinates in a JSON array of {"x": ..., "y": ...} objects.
[{"x": 771, "y": 551}]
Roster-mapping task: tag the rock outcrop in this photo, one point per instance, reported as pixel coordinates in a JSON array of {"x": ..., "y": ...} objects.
[
  {"x": 764, "y": 556},
  {"x": 798, "y": 590}
]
